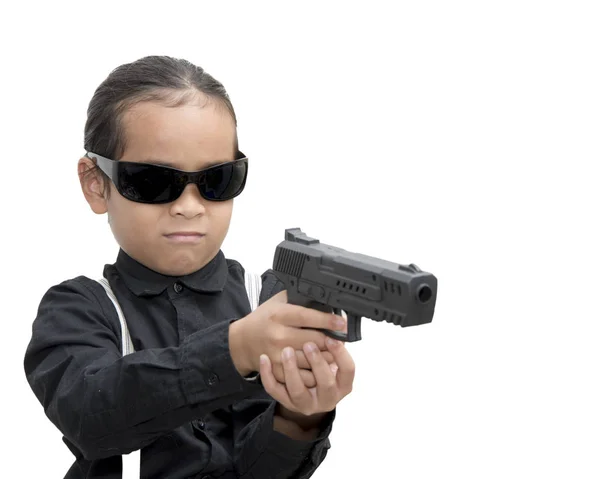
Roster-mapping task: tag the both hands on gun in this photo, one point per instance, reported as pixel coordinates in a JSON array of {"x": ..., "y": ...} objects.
[{"x": 333, "y": 280}]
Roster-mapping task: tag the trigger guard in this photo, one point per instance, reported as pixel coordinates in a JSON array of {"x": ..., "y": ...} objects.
[{"x": 335, "y": 335}]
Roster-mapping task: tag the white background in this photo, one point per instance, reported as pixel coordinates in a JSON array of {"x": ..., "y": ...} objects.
[{"x": 462, "y": 136}]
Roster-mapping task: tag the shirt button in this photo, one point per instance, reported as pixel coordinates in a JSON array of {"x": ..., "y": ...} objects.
[
  {"x": 201, "y": 424},
  {"x": 178, "y": 287},
  {"x": 213, "y": 379}
]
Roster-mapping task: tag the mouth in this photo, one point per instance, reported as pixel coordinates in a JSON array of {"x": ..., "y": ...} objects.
[{"x": 185, "y": 237}]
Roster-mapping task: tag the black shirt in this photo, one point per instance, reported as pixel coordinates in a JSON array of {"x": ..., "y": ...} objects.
[{"x": 178, "y": 398}]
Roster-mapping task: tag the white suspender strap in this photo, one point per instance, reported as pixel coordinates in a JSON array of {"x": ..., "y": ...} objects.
[
  {"x": 132, "y": 461},
  {"x": 126, "y": 344},
  {"x": 253, "y": 286}
]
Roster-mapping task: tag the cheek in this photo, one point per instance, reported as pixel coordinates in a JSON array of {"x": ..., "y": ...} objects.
[
  {"x": 220, "y": 214},
  {"x": 129, "y": 218}
]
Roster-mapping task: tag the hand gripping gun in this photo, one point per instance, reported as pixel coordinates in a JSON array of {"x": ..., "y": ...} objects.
[{"x": 331, "y": 279}]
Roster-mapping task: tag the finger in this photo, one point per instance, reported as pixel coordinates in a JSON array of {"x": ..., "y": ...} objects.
[
  {"x": 301, "y": 317},
  {"x": 303, "y": 362},
  {"x": 327, "y": 388},
  {"x": 278, "y": 372},
  {"x": 344, "y": 316},
  {"x": 307, "y": 376},
  {"x": 345, "y": 363},
  {"x": 297, "y": 338},
  {"x": 275, "y": 389},
  {"x": 298, "y": 393},
  {"x": 327, "y": 356}
]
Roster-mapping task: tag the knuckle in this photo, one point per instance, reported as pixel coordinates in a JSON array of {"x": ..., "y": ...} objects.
[
  {"x": 275, "y": 357},
  {"x": 303, "y": 365},
  {"x": 309, "y": 379},
  {"x": 278, "y": 313},
  {"x": 272, "y": 315},
  {"x": 296, "y": 396},
  {"x": 319, "y": 339},
  {"x": 301, "y": 358},
  {"x": 277, "y": 336},
  {"x": 330, "y": 383}
]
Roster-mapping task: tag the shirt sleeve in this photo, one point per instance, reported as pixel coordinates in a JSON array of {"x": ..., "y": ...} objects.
[
  {"x": 105, "y": 403},
  {"x": 261, "y": 452}
]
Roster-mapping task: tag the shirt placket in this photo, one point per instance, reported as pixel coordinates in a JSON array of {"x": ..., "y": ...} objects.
[{"x": 189, "y": 320}]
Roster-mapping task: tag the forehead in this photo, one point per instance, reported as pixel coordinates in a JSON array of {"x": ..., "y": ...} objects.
[{"x": 189, "y": 137}]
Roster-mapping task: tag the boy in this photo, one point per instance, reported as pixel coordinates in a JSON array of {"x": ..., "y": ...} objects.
[{"x": 190, "y": 396}]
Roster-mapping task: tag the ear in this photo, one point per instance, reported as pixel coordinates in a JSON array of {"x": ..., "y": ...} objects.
[{"x": 92, "y": 185}]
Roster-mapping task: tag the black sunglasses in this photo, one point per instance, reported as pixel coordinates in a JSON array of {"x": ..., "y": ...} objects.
[{"x": 148, "y": 183}]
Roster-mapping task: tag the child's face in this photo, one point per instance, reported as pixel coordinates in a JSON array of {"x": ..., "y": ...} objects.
[{"x": 188, "y": 137}]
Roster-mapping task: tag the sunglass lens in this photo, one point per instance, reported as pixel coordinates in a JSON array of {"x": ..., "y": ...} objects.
[
  {"x": 146, "y": 183},
  {"x": 224, "y": 182}
]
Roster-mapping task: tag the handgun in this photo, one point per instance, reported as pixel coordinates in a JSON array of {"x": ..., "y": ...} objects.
[{"x": 334, "y": 280}]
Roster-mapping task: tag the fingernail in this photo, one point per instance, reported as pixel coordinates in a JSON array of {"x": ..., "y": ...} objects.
[
  {"x": 332, "y": 342},
  {"x": 334, "y": 369},
  {"x": 310, "y": 347},
  {"x": 263, "y": 359},
  {"x": 340, "y": 322},
  {"x": 288, "y": 353}
]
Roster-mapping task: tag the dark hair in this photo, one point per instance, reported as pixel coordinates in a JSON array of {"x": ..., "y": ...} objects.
[{"x": 170, "y": 81}]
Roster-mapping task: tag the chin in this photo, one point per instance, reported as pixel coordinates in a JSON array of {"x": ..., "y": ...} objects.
[{"x": 187, "y": 262}]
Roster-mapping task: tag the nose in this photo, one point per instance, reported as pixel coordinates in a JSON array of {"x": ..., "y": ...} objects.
[{"x": 190, "y": 203}]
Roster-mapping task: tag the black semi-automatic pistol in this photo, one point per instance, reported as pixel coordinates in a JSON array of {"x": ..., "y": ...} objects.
[{"x": 331, "y": 279}]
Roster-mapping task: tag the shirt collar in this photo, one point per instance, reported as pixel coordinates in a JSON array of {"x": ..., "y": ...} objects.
[{"x": 143, "y": 281}]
